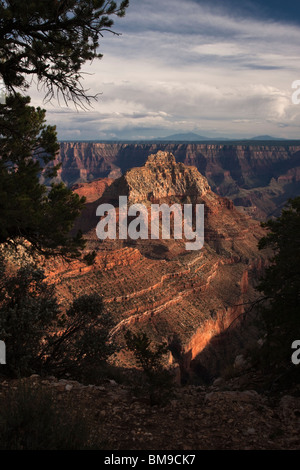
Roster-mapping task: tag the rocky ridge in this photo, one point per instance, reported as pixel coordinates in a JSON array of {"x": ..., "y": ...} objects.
[
  {"x": 158, "y": 286},
  {"x": 160, "y": 178}
]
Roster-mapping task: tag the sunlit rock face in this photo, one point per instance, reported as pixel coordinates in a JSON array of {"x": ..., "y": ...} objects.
[
  {"x": 257, "y": 178},
  {"x": 160, "y": 178},
  {"x": 158, "y": 286}
]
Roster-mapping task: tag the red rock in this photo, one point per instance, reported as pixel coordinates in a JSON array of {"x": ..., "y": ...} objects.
[{"x": 156, "y": 285}]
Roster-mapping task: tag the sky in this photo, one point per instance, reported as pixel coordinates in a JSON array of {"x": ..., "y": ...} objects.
[{"x": 217, "y": 68}]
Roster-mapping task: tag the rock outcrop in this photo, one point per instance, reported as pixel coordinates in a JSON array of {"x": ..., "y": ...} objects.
[
  {"x": 157, "y": 285},
  {"x": 160, "y": 178},
  {"x": 94, "y": 191}
]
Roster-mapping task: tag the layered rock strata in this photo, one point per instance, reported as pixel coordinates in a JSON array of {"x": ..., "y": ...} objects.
[
  {"x": 157, "y": 285},
  {"x": 257, "y": 178}
]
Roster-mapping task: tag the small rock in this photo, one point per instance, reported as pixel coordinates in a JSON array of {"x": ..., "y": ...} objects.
[
  {"x": 218, "y": 381},
  {"x": 59, "y": 386},
  {"x": 289, "y": 408},
  {"x": 250, "y": 431},
  {"x": 63, "y": 381},
  {"x": 246, "y": 396},
  {"x": 239, "y": 362}
]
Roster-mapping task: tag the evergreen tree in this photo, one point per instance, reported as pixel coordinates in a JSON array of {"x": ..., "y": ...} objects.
[
  {"x": 159, "y": 379},
  {"x": 28, "y": 307},
  {"x": 51, "y": 40},
  {"x": 280, "y": 285},
  {"x": 28, "y": 210},
  {"x": 40, "y": 337}
]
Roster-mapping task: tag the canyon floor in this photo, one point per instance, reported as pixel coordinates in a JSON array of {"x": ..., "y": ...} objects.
[{"x": 227, "y": 416}]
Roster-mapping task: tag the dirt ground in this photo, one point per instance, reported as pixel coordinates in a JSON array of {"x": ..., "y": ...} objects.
[{"x": 219, "y": 417}]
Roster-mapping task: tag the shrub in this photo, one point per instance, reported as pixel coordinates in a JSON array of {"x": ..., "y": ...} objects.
[
  {"x": 27, "y": 308},
  {"x": 82, "y": 347},
  {"x": 159, "y": 380},
  {"x": 280, "y": 286},
  {"x": 39, "y": 338},
  {"x": 31, "y": 420}
]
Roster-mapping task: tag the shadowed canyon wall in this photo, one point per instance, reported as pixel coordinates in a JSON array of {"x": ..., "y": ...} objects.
[{"x": 258, "y": 178}]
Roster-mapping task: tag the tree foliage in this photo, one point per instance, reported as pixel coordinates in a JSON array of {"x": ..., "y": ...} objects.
[
  {"x": 82, "y": 345},
  {"x": 48, "y": 40},
  {"x": 151, "y": 357},
  {"x": 28, "y": 209},
  {"x": 280, "y": 283},
  {"x": 31, "y": 419},
  {"x": 40, "y": 337},
  {"x": 51, "y": 40},
  {"x": 27, "y": 309}
]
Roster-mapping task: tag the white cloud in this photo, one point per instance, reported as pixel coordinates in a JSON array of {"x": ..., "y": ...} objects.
[{"x": 179, "y": 66}]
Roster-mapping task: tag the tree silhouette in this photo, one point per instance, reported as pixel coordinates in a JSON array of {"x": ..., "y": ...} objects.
[
  {"x": 48, "y": 40},
  {"x": 51, "y": 40},
  {"x": 280, "y": 284},
  {"x": 29, "y": 211}
]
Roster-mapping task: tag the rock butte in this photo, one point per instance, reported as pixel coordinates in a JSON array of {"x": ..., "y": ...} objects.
[
  {"x": 258, "y": 178},
  {"x": 155, "y": 285}
]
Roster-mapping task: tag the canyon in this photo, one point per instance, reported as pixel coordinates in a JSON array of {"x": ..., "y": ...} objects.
[
  {"x": 157, "y": 286},
  {"x": 258, "y": 178}
]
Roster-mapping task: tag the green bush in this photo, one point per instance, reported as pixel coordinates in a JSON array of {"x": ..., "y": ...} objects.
[
  {"x": 39, "y": 338},
  {"x": 28, "y": 308},
  {"x": 280, "y": 286},
  {"x": 159, "y": 380},
  {"x": 83, "y": 346},
  {"x": 30, "y": 419}
]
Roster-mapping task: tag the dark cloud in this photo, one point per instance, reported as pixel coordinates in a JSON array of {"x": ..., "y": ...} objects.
[{"x": 268, "y": 10}]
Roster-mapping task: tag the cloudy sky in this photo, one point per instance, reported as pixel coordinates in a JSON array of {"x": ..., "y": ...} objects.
[{"x": 219, "y": 68}]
